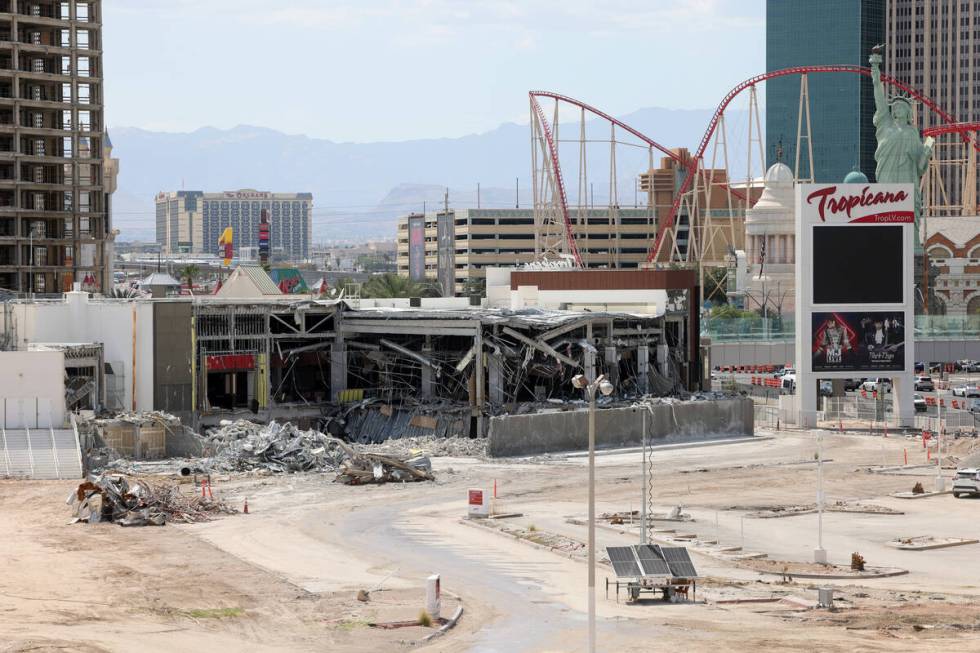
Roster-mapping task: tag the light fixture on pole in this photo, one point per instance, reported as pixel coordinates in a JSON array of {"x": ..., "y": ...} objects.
[{"x": 606, "y": 388}]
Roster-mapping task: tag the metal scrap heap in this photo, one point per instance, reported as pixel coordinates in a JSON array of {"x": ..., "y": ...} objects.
[
  {"x": 244, "y": 446},
  {"x": 133, "y": 502},
  {"x": 284, "y": 448}
]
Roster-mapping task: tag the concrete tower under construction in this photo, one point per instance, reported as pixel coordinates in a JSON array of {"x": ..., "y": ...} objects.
[{"x": 56, "y": 169}]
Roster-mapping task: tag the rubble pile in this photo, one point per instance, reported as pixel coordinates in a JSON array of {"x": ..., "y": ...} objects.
[
  {"x": 245, "y": 446},
  {"x": 377, "y": 468},
  {"x": 133, "y": 502},
  {"x": 145, "y": 418},
  {"x": 434, "y": 446},
  {"x": 283, "y": 448}
]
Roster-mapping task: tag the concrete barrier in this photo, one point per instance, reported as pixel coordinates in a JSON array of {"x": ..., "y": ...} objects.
[{"x": 521, "y": 435}]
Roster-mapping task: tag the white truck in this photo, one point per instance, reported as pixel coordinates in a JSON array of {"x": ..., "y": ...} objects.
[{"x": 967, "y": 482}]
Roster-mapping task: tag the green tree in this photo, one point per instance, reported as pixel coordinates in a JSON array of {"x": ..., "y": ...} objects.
[
  {"x": 386, "y": 286},
  {"x": 716, "y": 285},
  {"x": 475, "y": 287},
  {"x": 188, "y": 273},
  {"x": 729, "y": 312}
]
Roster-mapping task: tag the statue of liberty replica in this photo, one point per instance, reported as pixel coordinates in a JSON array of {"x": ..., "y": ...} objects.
[{"x": 901, "y": 156}]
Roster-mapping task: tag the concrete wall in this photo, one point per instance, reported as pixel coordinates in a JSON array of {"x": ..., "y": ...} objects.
[
  {"x": 519, "y": 435},
  {"x": 776, "y": 352},
  {"x": 123, "y": 328},
  {"x": 172, "y": 358},
  {"x": 32, "y": 389}
]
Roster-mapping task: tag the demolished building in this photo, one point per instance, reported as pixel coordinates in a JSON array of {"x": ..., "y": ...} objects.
[
  {"x": 289, "y": 358},
  {"x": 364, "y": 369}
]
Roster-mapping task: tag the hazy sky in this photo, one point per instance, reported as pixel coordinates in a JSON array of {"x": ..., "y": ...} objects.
[{"x": 369, "y": 70}]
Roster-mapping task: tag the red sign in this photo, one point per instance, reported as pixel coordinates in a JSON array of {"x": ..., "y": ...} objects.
[
  {"x": 828, "y": 202},
  {"x": 476, "y": 497},
  {"x": 230, "y": 362}
]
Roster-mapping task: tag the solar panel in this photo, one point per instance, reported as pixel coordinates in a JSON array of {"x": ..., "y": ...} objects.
[
  {"x": 652, "y": 561},
  {"x": 679, "y": 561},
  {"x": 623, "y": 561}
]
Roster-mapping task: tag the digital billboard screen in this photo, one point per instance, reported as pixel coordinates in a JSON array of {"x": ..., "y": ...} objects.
[
  {"x": 416, "y": 247},
  {"x": 866, "y": 341},
  {"x": 858, "y": 265}
]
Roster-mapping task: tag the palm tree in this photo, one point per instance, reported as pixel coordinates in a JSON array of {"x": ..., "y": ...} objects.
[
  {"x": 385, "y": 286},
  {"x": 188, "y": 272}
]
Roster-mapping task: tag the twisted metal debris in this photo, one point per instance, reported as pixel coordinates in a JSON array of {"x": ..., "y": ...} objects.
[
  {"x": 244, "y": 446},
  {"x": 283, "y": 448},
  {"x": 134, "y": 502}
]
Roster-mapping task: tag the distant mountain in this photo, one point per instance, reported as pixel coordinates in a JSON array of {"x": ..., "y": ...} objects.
[{"x": 360, "y": 188}]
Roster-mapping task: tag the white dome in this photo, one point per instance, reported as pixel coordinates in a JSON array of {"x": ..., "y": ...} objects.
[
  {"x": 774, "y": 212},
  {"x": 779, "y": 173}
]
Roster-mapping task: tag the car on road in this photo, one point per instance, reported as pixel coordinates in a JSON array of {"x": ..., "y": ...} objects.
[
  {"x": 872, "y": 385},
  {"x": 924, "y": 384},
  {"x": 826, "y": 388},
  {"x": 973, "y": 406},
  {"x": 966, "y": 391},
  {"x": 920, "y": 403},
  {"x": 967, "y": 481},
  {"x": 851, "y": 385}
]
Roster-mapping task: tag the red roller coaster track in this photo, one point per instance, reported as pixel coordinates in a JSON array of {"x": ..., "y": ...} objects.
[
  {"x": 799, "y": 70},
  {"x": 553, "y": 153},
  {"x": 951, "y": 126},
  {"x": 559, "y": 182},
  {"x": 954, "y": 128}
]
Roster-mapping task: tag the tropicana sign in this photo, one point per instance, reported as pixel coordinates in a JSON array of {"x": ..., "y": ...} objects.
[{"x": 863, "y": 206}]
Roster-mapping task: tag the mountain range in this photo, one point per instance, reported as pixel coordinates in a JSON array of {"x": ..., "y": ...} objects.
[{"x": 359, "y": 189}]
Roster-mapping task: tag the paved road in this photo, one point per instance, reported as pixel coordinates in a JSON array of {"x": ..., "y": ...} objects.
[{"x": 538, "y": 596}]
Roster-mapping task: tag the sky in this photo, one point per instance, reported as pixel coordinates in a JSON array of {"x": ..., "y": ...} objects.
[{"x": 390, "y": 70}]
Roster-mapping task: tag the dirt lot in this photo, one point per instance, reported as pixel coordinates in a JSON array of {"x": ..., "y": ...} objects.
[{"x": 285, "y": 576}]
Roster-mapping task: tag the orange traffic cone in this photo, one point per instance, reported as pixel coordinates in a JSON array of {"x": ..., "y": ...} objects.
[{"x": 246, "y": 506}]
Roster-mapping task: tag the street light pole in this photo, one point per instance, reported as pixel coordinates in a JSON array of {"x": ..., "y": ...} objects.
[
  {"x": 940, "y": 485},
  {"x": 606, "y": 388},
  {"x": 591, "y": 391}
]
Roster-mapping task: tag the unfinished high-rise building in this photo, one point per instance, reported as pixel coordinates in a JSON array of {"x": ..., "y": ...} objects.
[
  {"x": 933, "y": 46},
  {"x": 56, "y": 170}
]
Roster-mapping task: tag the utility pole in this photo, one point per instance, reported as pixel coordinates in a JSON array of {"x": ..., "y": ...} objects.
[
  {"x": 477, "y": 194},
  {"x": 517, "y": 192},
  {"x": 643, "y": 457}
]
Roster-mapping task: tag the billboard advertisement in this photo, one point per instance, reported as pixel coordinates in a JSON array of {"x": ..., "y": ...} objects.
[
  {"x": 416, "y": 247},
  {"x": 264, "y": 237},
  {"x": 446, "y": 259},
  {"x": 864, "y": 341}
]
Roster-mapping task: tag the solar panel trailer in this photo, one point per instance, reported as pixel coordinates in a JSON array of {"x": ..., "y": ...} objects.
[{"x": 652, "y": 568}]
